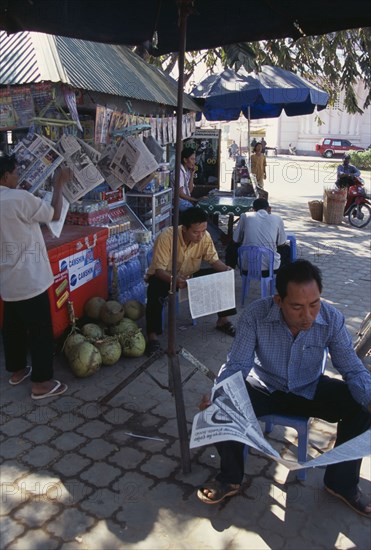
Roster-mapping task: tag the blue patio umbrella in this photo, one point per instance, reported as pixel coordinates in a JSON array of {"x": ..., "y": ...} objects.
[{"x": 257, "y": 95}]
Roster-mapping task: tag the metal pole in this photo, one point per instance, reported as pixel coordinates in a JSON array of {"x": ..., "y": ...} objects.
[
  {"x": 175, "y": 382},
  {"x": 248, "y": 137}
]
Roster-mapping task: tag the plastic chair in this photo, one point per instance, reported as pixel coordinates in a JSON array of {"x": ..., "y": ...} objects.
[
  {"x": 293, "y": 251},
  {"x": 299, "y": 423},
  {"x": 250, "y": 265}
]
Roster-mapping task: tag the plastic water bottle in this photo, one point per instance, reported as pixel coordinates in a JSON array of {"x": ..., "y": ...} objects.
[{"x": 143, "y": 250}]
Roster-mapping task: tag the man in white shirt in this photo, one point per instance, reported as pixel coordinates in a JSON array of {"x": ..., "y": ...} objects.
[
  {"x": 261, "y": 228},
  {"x": 25, "y": 276}
]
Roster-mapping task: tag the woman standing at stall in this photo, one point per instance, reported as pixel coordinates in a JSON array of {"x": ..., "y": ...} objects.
[{"x": 258, "y": 165}]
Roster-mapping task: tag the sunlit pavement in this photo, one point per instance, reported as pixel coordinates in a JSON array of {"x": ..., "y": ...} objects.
[{"x": 79, "y": 475}]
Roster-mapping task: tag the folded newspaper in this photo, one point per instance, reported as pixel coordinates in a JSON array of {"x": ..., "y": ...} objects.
[
  {"x": 231, "y": 417},
  {"x": 86, "y": 176}
]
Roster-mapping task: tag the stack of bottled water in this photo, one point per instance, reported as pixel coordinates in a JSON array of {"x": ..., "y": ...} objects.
[{"x": 125, "y": 274}]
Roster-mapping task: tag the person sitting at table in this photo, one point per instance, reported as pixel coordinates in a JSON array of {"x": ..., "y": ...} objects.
[
  {"x": 258, "y": 165},
  {"x": 194, "y": 246},
  {"x": 260, "y": 228},
  {"x": 186, "y": 185}
]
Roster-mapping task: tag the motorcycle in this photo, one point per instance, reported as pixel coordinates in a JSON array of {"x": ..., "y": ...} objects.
[{"x": 358, "y": 206}]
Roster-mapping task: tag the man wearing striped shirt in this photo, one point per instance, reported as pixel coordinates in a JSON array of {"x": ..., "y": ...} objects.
[{"x": 288, "y": 334}]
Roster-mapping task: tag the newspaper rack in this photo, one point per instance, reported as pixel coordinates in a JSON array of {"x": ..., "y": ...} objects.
[{"x": 44, "y": 121}]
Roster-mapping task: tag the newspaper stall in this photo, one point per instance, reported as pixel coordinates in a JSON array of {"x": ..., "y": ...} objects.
[{"x": 100, "y": 245}]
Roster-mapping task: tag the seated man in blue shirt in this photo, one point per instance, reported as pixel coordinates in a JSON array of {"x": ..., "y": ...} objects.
[
  {"x": 289, "y": 333},
  {"x": 346, "y": 172}
]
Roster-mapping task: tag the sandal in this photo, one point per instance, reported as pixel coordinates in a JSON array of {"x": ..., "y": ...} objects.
[
  {"x": 58, "y": 389},
  {"x": 227, "y": 328},
  {"x": 358, "y": 503},
  {"x": 219, "y": 491},
  {"x": 27, "y": 373}
]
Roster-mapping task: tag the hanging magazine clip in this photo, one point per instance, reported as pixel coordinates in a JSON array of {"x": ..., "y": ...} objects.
[{"x": 46, "y": 121}]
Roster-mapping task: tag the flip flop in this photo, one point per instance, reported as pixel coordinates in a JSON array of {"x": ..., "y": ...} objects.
[
  {"x": 358, "y": 503},
  {"x": 227, "y": 328},
  {"x": 26, "y": 375},
  {"x": 58, "y": 389},
  {"x": 219, "y": 491}
]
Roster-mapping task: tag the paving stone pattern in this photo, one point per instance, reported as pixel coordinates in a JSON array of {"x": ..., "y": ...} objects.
[{"x": 74, "y": 476}]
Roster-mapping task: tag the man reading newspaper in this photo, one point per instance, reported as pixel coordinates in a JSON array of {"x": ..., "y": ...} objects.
[{"x": 288, "y": 334}]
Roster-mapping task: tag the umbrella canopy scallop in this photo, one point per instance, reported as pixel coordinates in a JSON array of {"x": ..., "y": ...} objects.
[{"x": 265, "y": 94}]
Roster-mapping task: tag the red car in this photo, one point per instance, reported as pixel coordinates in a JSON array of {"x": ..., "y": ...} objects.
[{"x": 330, "y": 147}]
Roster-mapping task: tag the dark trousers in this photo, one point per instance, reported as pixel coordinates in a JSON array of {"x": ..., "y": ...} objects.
[
  {"x": 28, "y": 324},
  {"x": 158, "y": 291},
  {"x": 332, "y": 402}
]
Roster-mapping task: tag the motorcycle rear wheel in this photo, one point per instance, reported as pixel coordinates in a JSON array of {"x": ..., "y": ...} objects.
[{"x": 359, "y": 215}]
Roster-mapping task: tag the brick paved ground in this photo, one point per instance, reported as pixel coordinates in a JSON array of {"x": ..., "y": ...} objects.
[{"x": 73, "y": 476}]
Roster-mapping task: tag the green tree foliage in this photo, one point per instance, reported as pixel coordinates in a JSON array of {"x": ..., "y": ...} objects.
[{"x": 333, "y": 61}]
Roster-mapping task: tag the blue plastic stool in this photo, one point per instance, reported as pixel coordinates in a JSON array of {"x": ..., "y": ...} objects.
[{"x": 301, "y": 425}]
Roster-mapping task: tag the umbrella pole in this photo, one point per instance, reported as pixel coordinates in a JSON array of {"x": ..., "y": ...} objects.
[
  {"x": 248, "y": 137},
  {"x": 175, "y": 383}
]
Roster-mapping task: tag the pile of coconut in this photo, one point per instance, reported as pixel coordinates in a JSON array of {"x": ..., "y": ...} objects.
[{"x": 111, "y": 332}]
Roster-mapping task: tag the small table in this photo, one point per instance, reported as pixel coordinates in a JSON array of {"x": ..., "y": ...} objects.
[{"x": 227, "y": 206}]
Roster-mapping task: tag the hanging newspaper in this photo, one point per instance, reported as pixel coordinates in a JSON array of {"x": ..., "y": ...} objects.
[
  {"x": 231, "y": 417},
  {"x": 132, "y": 161},
  {"x": 55, "y": 226},
  {"x": 86, "y": 176},
  {"x": 104, "y": 166},
  {"x": 36, "y": 160}
]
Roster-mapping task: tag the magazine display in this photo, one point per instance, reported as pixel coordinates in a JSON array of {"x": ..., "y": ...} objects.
[
  {"x": 86, "y": 176},
  {"x": 36, "y": 159}
]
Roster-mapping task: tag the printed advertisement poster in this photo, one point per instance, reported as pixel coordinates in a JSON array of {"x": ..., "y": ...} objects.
[
  {"x": 61, "y": 289},
  {"x": 8, "y": 115},
  {"x": 81, "y": 267},
  {"x": 206, "y": 143},
  {"x": 23, "y": 106}
]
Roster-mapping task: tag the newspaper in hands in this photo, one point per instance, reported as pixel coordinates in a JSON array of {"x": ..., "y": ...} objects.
[
  {"x": 232, "y": 417},
  {"x": 36, "y": 161}
]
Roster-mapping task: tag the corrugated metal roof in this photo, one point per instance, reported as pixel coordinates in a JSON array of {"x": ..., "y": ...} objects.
[{"x": 34, "y": 57}]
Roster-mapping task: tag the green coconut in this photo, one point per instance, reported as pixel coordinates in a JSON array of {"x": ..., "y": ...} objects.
[
  {"x": 85, "y": 360},
  {"x": 93, "y": 306},
  {"x": 123, "y": 327},
  {"x": 112, "y": 312},
  {"x": 109, "y": 349},
  {"x": 71, "y": 341},
  {"x": 91, "y": 331},
  {"x": 134, "y": 310},
  {"x": 133, "y": 344}
]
